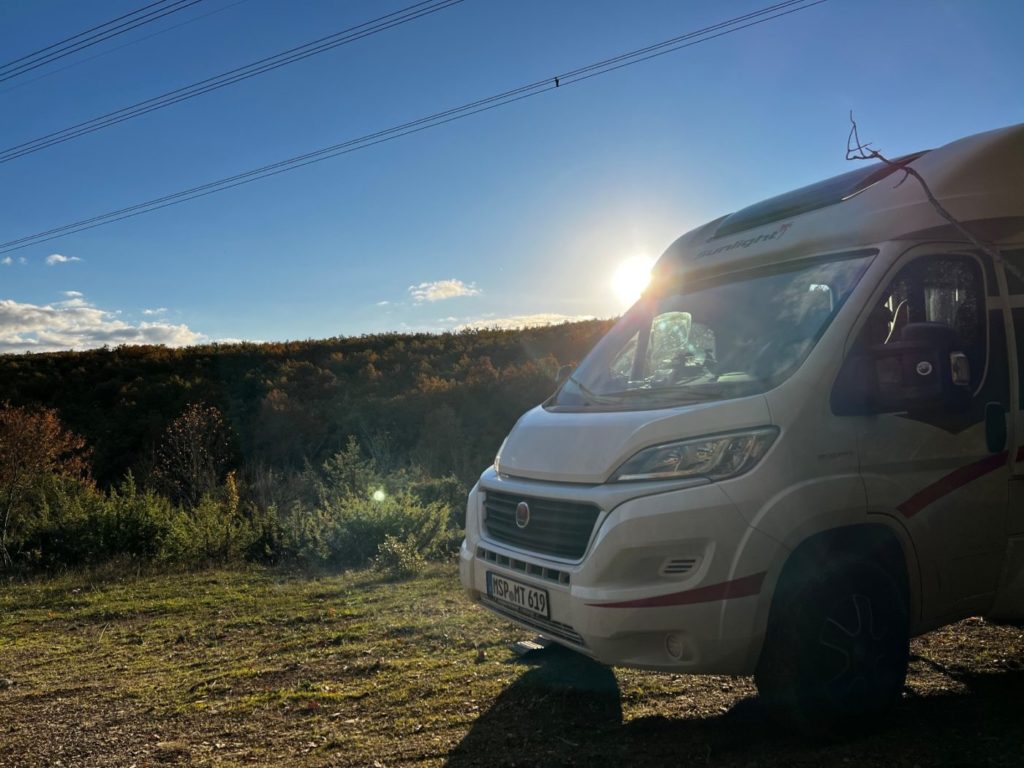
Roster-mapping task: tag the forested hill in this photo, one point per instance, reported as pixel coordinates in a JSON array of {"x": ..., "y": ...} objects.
[{"x": 442, "y": 401}]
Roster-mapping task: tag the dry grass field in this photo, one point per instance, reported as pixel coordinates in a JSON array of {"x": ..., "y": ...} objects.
[{"x": 258, "y": 667}]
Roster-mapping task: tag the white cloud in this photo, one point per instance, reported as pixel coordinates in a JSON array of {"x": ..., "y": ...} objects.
[
  {"x": 522, "y": 321},
  {"x": 74, "y": 294},
  {"x": 57, "y": 258},
  {"x": 75, "y": 324},
  {"x": 442, "y": 289},
  {"x": 383, "y": 303},
  {"x": 6, "y": 261},
  {"x": 155, "y": 311}
]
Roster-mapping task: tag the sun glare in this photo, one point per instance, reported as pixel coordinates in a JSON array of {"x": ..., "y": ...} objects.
[{"x": 631, "y": 277}]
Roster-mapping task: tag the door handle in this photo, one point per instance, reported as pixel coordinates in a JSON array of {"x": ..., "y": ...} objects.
[{"x": 995, "y": 427}]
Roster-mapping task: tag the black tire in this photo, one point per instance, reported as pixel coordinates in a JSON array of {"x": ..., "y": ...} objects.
[{"x": 837, "y": 646}]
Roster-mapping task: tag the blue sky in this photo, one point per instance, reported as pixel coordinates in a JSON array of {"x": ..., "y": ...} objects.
[{"x": 530, "y": 208}]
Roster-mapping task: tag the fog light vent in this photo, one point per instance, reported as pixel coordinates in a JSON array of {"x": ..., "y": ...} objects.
[{"x": 678, "y": 566}]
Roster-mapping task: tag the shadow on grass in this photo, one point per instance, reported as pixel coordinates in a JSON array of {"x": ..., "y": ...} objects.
[{"x": 566, "y": 710}]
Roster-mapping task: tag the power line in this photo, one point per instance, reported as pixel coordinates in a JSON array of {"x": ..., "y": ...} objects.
[
  {"x": 431, "y": 121},
  {"x": 266, "y": 64},
  {"x": 80, "y": 34},
  {"x": 123, "y": 45},
  {"x": 72, "y": 45}
]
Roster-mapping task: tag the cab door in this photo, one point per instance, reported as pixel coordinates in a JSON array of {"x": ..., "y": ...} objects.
[
  {"x": 1015, "y": 290},
  {"x": 1009, "y": 602},
  {"x": 933, "y": 471}
]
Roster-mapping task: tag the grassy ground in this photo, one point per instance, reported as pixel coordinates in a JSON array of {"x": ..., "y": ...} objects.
[{"x": 256, "y": 667}]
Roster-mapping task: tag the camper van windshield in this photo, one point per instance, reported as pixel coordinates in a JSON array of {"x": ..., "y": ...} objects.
[{"x": 714, "y": 340}]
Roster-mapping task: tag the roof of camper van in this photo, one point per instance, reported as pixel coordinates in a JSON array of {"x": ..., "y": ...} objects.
[{"x": 978, "y": 179}]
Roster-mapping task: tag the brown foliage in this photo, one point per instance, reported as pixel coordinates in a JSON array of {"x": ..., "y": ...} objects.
[
  {"x": 194, "y": 453},
  {"x": 33, "y": 443}
]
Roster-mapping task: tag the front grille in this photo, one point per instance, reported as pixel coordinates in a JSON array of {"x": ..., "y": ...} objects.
[
  {"x": 556, "y": 630},
  {"x": 559, "y": 528},
  {"x": 531, "y": 569}
]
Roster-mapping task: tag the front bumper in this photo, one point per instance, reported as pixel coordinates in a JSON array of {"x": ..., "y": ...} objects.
[{"x": 671, "y": 580}]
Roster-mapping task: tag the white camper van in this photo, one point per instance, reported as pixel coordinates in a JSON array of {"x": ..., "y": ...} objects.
[{"x": 802, "y": 446}]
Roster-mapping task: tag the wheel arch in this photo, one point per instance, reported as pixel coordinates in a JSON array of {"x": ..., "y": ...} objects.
[{"x": 876, "y": 541}]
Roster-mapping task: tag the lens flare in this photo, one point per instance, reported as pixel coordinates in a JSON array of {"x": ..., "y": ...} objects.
[{"x": 631, "y": 278}]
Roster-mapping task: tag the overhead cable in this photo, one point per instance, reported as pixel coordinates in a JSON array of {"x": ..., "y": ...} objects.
[
  {"x": 231, "y": 77},
  {"x": 90, "y": 37},
  {"x": 536, "y": 88},
  {"x": 134, "y": 41}
]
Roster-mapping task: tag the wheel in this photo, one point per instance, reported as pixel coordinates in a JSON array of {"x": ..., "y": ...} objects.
[{"x": 837, "y": 645}]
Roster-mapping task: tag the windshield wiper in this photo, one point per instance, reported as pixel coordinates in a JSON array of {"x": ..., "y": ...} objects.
[
  {"x": 592, "y": 398},
  {"x": 682, "y": 395}
]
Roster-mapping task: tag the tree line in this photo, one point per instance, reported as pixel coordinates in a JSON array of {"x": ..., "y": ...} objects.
[{"x": 326, "y": 452}]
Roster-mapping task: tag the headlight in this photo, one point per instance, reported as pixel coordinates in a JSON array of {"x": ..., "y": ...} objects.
[
  {"x": 497, "y": 456},
  {"x": 715, "y": 458}
]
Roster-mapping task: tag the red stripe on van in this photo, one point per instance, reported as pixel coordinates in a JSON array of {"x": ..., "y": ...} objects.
[
  {"x": 726, "y": 590},
  {"x": 951, "y": 482}
]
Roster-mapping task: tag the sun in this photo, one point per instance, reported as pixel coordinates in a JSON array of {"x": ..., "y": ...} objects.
[{"x": 631, "y": 277}]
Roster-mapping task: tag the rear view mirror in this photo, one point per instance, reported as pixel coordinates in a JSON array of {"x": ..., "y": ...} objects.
[{"x": 920, "y": 372}]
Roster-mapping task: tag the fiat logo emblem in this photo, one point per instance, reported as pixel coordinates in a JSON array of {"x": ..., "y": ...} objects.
[{"x": 522, "y": 514}]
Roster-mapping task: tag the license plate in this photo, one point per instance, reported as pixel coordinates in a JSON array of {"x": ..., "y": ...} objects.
[{"x": 519, "y": 595}]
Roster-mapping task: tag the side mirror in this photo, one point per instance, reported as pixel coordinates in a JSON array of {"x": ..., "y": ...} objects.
[
  {"x": 564, "y": 373},
  {"x": 921, "y": 372}
]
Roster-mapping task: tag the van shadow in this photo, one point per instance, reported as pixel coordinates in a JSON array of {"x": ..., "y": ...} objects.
[{"x": 566, "y": 710}]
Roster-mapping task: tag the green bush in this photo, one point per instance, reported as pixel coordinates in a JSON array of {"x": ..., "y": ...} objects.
[
  {"x": 350, "y": 530},
  {"x": 447, "y": 490},
  {"x": 343, "y": 514},
  {"x": 362, "y": 524},
  {"x": 73, "y": 524},
  {"x": 305, "y": 534},
  {"x": 214, "y": 531},
  {"x": 58, "y": 525},
  {"x": 398, "y": 559},
  {"x": 347, "y": 474},
  {"x": 134, "y": 522}
]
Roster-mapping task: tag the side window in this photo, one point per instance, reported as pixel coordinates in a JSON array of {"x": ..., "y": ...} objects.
[
  {"x": 622, "y": 365},
  {"x": 936, "y": 289}
]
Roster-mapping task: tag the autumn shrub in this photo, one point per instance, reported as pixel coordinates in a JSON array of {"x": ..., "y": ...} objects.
[
  {"x": 34, "y": 446},
  {"x": 193, "y": 454}
]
